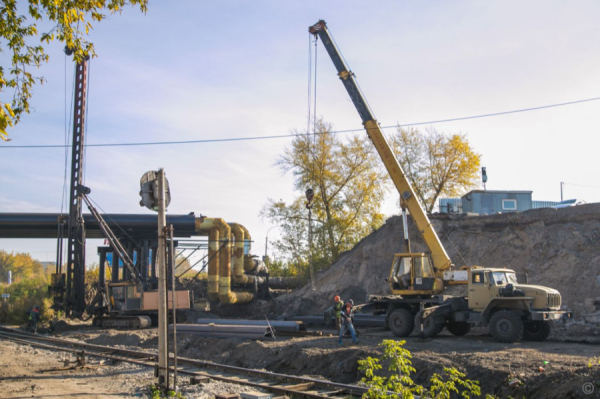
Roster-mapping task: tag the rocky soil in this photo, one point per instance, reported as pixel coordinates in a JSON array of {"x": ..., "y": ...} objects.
[{"x": 30, "y": 372}]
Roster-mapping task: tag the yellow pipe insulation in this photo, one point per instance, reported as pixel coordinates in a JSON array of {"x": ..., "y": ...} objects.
[{"x": 219, "y": 265}]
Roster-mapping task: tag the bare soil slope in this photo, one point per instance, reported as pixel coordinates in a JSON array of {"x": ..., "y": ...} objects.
[{"x": 556, "y": 248}]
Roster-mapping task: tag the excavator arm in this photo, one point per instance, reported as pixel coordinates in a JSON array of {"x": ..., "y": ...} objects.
[{"x": 438, "y": 254}]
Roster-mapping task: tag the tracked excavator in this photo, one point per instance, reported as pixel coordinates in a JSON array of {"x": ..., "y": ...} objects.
[{"x": 417, "y": 281}]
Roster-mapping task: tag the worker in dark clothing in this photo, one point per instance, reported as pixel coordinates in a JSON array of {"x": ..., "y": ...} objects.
[
  {"x": 337, "y": 311},
  {"x": 347, "y": 315},
  {"x": 34, "y": 317}
]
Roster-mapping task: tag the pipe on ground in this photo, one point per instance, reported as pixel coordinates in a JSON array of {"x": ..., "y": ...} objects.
[{"x": 285, "y": 283}]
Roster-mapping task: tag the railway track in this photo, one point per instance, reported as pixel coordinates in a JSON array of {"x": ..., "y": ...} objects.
[{"x": 277, "y": 383}]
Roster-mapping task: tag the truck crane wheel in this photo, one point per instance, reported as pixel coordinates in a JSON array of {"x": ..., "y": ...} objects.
[
  {"x": 506, "y": 326},
  {"x": 458, "y": 328},
  {"x": 401, "y": 322},
  {"x": 537, "y": 330},
  {"x": 430, "y": 327}
]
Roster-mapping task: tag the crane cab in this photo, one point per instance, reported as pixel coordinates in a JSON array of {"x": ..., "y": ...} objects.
[{"x": 412, "y": 274}]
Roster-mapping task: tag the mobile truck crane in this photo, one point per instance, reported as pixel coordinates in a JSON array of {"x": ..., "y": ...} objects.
[{"x": 510, "y": 310}]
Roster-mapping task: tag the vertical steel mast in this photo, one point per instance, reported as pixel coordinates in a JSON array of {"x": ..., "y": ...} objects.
[{"x": 74, "y": 303}]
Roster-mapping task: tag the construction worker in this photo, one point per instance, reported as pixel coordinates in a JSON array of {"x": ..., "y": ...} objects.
[
  {"x": 337, "y": 309},
  {"x": 406, "y": 280},
  {"x": 34, "y": 317},
  {"x": 347, "y": 315}
]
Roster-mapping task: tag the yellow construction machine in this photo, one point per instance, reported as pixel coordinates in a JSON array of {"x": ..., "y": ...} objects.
[{"x": 417, "y": 281}]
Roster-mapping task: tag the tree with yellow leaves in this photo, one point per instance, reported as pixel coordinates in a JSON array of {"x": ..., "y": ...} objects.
[
  {"x": 436, "y": 164},
  {"x": 349, "y": 186},
  {"x": 71, "y": 21}
]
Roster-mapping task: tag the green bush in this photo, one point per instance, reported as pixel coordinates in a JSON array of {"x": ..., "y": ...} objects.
[{"x": 399, "y": 384}]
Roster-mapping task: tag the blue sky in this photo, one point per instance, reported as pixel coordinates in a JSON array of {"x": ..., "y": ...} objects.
[{"x": 195, "y": 70}]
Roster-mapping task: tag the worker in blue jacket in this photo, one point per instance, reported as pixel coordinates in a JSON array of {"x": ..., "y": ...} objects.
[{"x": 347, "y": 315}]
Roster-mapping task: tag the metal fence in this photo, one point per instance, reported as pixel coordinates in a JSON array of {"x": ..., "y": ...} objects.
[
  {"x": 454, "y": 205},
  {"x": 450, "y": 205},
  {"x": 542, "y": 204}
]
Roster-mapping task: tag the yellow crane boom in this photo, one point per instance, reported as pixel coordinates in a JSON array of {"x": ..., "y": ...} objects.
[{"x": 439, "y": 257}]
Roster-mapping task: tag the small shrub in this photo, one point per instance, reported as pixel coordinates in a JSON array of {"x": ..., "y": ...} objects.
[
  {"x": 157, "y": 392},
  {"x": 400, "y": 385}
]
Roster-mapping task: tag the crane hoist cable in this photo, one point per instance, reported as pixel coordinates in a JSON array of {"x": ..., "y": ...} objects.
[
  {"x": 112, "y": 220},
  {"x": 309, "y": 95},
  {"x": 86, "y": 121},
  {"x": 312, "y": 154},
  {"x": 114, "y": 241}
]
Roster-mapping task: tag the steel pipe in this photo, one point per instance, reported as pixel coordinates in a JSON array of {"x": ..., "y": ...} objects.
[
  {"x": 224, "y": 331},
  {"x": 43, "y": 225},
  {"x": 277, "y": 325}
]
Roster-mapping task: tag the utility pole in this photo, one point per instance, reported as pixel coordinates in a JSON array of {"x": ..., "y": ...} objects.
[
  {"x": 156, "y": 196},
  {"x": 562, "y": 185},
  {"x": 483, "y": 177},
  {"x": 163, "y": 349},
  {"x": 266, "y": 257},
  {"x": 173, "y": 302}
]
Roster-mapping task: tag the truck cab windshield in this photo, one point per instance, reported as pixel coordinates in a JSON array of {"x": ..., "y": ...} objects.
[{"x": 503, "y": 278}]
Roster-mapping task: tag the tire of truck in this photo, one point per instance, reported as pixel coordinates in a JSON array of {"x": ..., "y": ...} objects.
[
  {"x": 537, "y": 330},
  {"x": 401, "y": 322},
  {"x": 458, "y": 328},
  {"x": 430, "y": 327},
  {"x": 506, "y": 326}
]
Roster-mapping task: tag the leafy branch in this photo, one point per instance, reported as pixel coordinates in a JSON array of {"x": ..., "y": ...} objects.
[
  {"x": 72, "y": 23},
  {"x": 399, "y": 384}
]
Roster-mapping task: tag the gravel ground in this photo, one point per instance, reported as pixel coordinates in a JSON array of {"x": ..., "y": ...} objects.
[{"x": 26, "y": 371}]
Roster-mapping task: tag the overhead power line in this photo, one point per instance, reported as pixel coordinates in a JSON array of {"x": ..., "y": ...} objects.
[
  {"x": 580, "y": 185},
  {"x": 305, "y": 134},
  {"x": 502, "y": 113}
]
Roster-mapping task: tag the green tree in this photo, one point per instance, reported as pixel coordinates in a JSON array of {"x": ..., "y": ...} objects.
[
  {"x": 72, "y": 22},
  {"x": 436, "y": 164},
  {"x": 346, "y": 178}
]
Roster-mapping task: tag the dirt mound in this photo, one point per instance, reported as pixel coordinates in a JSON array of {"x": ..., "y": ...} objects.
[{"x": 558, "y": 248}]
